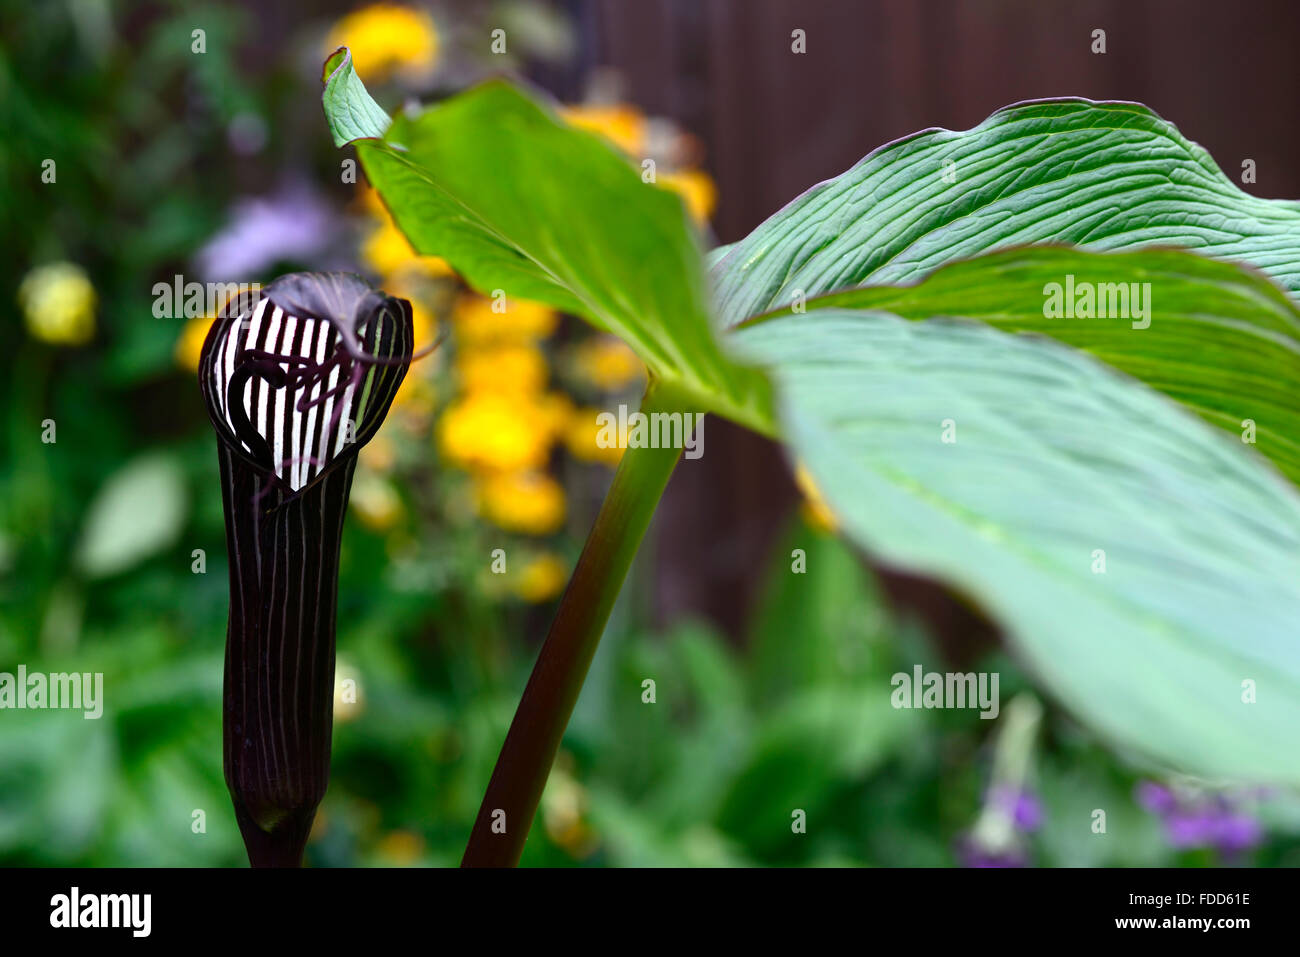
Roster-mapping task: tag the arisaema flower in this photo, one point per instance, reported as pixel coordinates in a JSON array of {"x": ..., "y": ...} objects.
[{"x": 295, "y": 382}]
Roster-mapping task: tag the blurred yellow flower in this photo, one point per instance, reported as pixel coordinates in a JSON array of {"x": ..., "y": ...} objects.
[
  {"x": 387, "y": 37},
  {"x": 564, "y": 812},
  {"x": 815, "y": 510},
  {"x": 189, "y": 344},
  {"x": 387, "y": 251},
  {"x": 531, "y": 503},
  {"x": 495, "y": 432},
  {"x": 607, "y": 363},
  {"x": 515, "y": 368},
  {"x": 541, "y": 578},
  {"x": 58, "y": 303},
  {"x": 477, "y": 322},
  {"x": 376, "y": 502},
  {"x": 580, "y": 438},
  {"x": 624, "y": 125},
  {"x": 556, "y": 409},
  {"x": 696, "y": 188}
]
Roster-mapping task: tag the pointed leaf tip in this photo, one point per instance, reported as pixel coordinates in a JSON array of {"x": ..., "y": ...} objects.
[{"x": 350, "y": 111}]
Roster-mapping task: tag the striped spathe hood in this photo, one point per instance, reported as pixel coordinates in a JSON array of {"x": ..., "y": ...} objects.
[{"x": 299, "y": 376}]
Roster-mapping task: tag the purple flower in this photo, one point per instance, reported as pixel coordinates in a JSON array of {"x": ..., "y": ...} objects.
[
  {"x": 292, "y": 224},
  {"x": 1237, "y": 832},
  {"x": 1199, "y": 821},
  {"x": 1156, "y": 798},
  {"x": 971, "y": 854},
  {"x": 1023, "y": 807},
  {"x": 997, "y": 839}
]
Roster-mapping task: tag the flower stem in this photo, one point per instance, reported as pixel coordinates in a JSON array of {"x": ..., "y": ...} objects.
[{"x": 552, "y": 691}]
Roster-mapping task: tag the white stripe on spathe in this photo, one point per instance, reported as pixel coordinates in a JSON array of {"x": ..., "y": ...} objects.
[
  {"x": 264, "y": 389},
  {"x": 345, "y": 419},
  {"x": 300, "y": 441},
  {"x": 277, "y": 447},
  {"x": 302, "y": 468},
  {"x": 251, "y": 343}
]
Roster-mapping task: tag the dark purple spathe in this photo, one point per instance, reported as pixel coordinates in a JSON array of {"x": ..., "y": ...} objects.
[{"x": 295, "y": 382}]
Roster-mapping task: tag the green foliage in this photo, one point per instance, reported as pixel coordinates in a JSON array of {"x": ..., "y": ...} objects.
[
  {"x": 1220, "y": 338},
  {"x": 1118, "y": 540}
]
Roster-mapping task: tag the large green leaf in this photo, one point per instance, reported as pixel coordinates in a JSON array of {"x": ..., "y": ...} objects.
[
  {"x": 1103, "y": 175},
  {"x": 1057, "y": 457},
  {"x": 517, "y": 200},
  {"x": 1221, "y": 338}
]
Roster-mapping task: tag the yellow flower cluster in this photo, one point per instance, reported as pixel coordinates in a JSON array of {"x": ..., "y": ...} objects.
[
  {"x": 387, "y": 38},
  {"x": 504, "y": 423},
  {"x": 58, "y": 303},
  {"x": 502, "y": 426}
]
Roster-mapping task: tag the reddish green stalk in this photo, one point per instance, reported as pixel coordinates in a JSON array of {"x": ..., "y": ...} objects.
[{"x": 552, "y": 691}]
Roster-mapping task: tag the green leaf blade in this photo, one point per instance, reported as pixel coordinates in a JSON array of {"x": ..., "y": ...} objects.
[
  {"x": 1055, "y": 457},
  {"x": 1104, "y": 175},
  {"x": 1222, "y": 339}
]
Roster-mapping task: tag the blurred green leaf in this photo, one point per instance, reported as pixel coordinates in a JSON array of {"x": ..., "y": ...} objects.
[
  {"x": 1056, "y": 464},
  {"x": 819, "y": 627},
  {"x": 139, "y": 511},
  {"x": 820, "y": 741},
  {"x": 1223, "y": 339}
]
